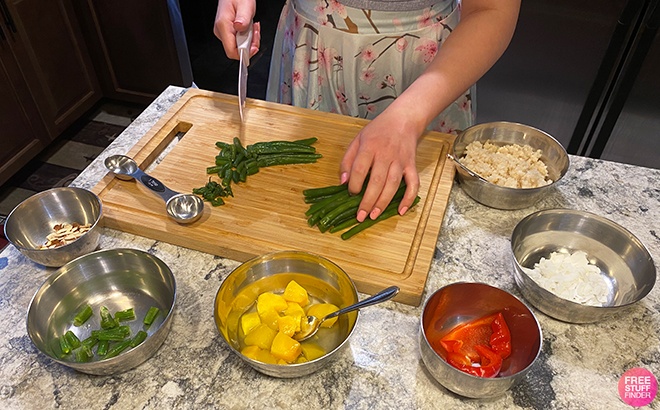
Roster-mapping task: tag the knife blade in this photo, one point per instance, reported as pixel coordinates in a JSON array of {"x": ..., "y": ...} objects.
[{"x": 243, "y": 41}]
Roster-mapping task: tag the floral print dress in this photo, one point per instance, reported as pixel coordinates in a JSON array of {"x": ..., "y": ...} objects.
[{"x": 334, "y": 58}]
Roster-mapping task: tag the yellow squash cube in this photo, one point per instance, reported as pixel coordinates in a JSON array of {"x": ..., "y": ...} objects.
[
  {"x": 250, "y": 352},
  {"x": 296, "y": 293},
  {"x": 295, "y": 311},
  {"x": 270, "y": 301},
  {"x": 312, "y": 351},
  {"x": 264, "y": 356},
  {"x": 285, "y": 348},
  {"x": 320, "y": 310},
  {"x": 261, "y": 336},
  {"x": 249, "y": 321},
  {"x": 270, "y": 317},
  {"x": 288, "y": 325}
]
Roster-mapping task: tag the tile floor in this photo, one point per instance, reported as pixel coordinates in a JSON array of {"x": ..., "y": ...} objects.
[{"x": 60, "y": 163}]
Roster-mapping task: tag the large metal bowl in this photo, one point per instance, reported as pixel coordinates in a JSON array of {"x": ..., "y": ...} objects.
[
  {"x": 462, "y": 302},
  {"x": 623, "y": 260},
  {"x": 31, "y": 221},
  {"x": 504, "y": 133},
  {"x": 322, "y": 279},
  {"x": 118, "y": 279}
]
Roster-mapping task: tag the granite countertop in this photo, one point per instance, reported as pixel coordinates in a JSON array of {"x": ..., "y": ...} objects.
[{"x": 579, "y": 367}]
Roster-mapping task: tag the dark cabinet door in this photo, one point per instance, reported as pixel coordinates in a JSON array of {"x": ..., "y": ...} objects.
[
  {"x": 47, "y": 43},
  {"x": 21, "y": 138}
]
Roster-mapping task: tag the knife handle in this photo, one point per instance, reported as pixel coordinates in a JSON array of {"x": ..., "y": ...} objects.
[{"x": 243, "y": 42}]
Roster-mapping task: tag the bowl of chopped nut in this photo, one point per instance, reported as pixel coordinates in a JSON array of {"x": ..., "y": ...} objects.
[
  {"x": 507, "y": 165},
  {"x": 579, "y": 267},
  {"x": 56, "y": 226}
]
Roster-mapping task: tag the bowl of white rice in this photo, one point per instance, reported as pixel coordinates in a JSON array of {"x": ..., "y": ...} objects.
[
  {"x": 579, "y": 267},
  {"x": 507, "y": 165}
]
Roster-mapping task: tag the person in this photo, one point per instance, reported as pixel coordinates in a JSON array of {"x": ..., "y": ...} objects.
[{"x": 407, "y": 65}]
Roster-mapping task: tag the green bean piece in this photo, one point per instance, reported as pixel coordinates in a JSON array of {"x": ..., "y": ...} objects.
[
  {"x": 82, "y": 316},
  {"x": 151, "y": 315},
  {"x": 139, "y": 338},
  {"x": 344, "y": 225},
  {"x": 251, "y": 171},
  {"x": 239, "y": 147},
  {"x": 240, "y": 157},
  {"x": 279, "y": 147},
  {"x": 242, "y": 175},
  {"x": 217, "y": 202},
  {"x": 107, "y": 321},
  {"x": 221, "y": 144},
  {"x": 102, "y": 349},
  {"x": 227, "y": 175},
  {"x": 235, "y": 176},
  {"x": 306, "y": 141},
  {"x": 90, "y": 342},
  {"x": 390, "y": 211},
  {"x": 118, "y": 348},
  {"x": 214, "y": 169},
  {"x": 114, "y": 334},
  {"x": 65, "y": 347},
  {"x": 84, "y": 354},
  {"x": 125, "y": 315},
  {"x": 72, "y": 339},
  {"x": 324, "y": 191}
]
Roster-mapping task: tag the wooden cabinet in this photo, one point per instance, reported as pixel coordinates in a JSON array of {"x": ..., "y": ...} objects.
[
  {"x": 21, "y": 137},
  {"x": 48, "y": 47},
  {"x": 138, "y": 47},
  {"x": 46, "y": 78}
]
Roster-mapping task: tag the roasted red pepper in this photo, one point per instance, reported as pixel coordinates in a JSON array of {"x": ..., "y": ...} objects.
[{"x": 478, "y": 347}]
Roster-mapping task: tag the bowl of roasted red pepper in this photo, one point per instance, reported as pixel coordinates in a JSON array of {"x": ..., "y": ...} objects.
[{"x": 477, "y": 340}]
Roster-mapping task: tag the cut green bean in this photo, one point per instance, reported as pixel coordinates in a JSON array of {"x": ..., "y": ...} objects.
[
  {"x": 125, "y": 315},
  {"x": 114, "y": 334},
  {"x": 65, "y": 347},
  {"x": 90, "y": 342},
  {"x": 118, "y": 348},
  {"x": 107, "y": 321},
  {"x": 102, "y": 349},
  {"x": 151, "y": 315},
  {"x": 83, "y": 315},
  {"x": 84, "y": 354},
  {"x": 140, "y": 336},
  {"x": 72, "y": 339}
]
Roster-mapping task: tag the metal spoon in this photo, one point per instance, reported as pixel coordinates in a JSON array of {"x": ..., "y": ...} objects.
[
  {"x": 183, "y": 208},
  {"x": 466, "y": 169},
  {"x": 310, "y": 328}
]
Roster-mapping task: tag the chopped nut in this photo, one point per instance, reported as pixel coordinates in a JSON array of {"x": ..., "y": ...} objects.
[{"x": 64, "y": 234}]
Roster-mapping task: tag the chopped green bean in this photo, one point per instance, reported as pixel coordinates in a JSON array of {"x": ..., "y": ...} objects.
[
  {"x": 107, "y": 321},
  {"x": 151, "y": 315},
  {"x": 139, "y": 338},
  {"x": 125, "y": 315},
  {"x": 84, "y": 354},
  {"x": 90, "y": 342},
  {"x": 65, "y": 347},
  {"x": 83, "y": 315},
  {"x": 102, "y": 349},
  {"x": 118, "y": 348},
  {"x": 117, "y": 333},
  {"x": 72, "y": 339}
]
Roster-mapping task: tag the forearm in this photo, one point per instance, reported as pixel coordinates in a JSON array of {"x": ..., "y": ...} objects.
[{"x": 478, "y": 41}]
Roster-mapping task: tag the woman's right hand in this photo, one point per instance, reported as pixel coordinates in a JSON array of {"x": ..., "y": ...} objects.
[{"x": 234, "y": 16}]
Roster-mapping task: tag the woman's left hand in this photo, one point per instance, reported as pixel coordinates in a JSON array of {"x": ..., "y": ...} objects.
[{"x": 384, "y": 149}]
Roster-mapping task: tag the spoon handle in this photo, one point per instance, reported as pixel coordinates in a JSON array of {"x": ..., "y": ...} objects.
[
  {"x": 153, "y": 184},
  {"x": 379, "y": 297}
]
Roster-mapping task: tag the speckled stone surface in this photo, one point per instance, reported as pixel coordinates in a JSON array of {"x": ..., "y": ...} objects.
[{"x": 579, "y": 367}]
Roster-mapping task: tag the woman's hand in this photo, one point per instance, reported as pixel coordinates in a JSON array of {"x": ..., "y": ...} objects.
[
  {"x": 385, "y": 149},
  {"x": 234, "y": 16}
]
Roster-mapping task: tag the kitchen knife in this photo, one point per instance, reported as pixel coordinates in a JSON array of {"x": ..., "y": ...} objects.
[{"x": 243, "y": 41}]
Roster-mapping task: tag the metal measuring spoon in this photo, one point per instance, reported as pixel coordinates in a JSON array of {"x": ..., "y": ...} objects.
[
  {"x": 183, "y": 208},
  {"x": 312, "y": 325}
]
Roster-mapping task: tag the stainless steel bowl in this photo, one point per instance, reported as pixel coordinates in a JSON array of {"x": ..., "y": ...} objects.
[
  {"x": 31, "y": 221},
  {"x": 503, "y": 133},
  {"x": 118, "y": 279},
  {"x": 323, "y": 280},
  {"x": 623, "y": 260},
  {"x": 462, "y": 302}
]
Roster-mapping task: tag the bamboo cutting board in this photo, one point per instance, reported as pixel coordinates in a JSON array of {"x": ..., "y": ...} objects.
[{"x": 267, "y": 213}]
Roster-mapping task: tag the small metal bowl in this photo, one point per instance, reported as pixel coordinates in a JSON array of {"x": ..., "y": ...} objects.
[
  {"x": 504, "y": 133},
  {"x": 623, "y": 260},
  {"x": 118, "y": 279},
  {"x": 31, "y": 221},
  {"x": 462, "y": 302},
  {"x": 323, "y": 280}
]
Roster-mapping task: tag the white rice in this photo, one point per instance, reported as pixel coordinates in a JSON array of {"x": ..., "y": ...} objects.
[
  {"x": 572, "y": 277},
  {"x": 512, "y": 165}
]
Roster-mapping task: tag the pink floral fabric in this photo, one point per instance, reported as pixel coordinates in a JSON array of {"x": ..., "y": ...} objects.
[{"x": 355, "y": 62}]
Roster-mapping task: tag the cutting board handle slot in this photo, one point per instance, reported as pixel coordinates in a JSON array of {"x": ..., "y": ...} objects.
[{"x": 156, "y": 145}]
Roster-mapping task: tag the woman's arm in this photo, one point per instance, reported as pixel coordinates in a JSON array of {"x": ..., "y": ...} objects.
[{"x": 386, "y": 147}]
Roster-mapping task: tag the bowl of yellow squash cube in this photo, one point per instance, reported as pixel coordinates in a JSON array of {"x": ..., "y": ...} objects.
[{"x": 263, "y": 304}]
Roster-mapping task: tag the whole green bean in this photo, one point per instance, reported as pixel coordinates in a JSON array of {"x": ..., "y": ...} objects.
[{"x": 390, "y": 211}]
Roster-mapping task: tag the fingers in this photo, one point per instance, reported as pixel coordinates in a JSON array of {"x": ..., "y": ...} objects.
[
  {"x": 232, "y": 17},
  {"x": 412, "y": 189}
]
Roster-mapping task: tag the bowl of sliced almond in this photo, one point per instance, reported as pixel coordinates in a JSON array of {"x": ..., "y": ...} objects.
[{"x": 56, "y": 226}]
